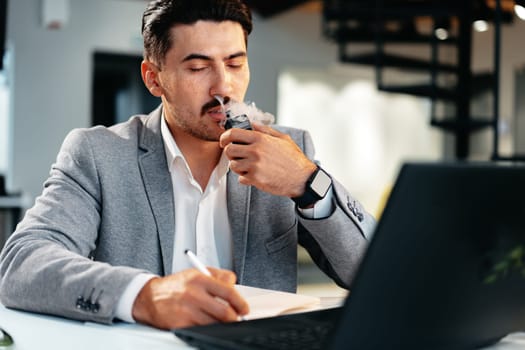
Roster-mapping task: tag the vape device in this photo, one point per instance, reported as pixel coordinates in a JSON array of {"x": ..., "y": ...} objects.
[{"x": 240, "y": 121}]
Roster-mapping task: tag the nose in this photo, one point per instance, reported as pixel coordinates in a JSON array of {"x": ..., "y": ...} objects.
[{"x": 222, "y": 82}]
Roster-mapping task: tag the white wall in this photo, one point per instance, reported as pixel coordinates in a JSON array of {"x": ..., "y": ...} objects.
[
  {"x": 51, "y": 72},
  {"x": 362, "y": 135},
  {"x": 4, "y": 123},
  {"x": 291, "y": 39}
]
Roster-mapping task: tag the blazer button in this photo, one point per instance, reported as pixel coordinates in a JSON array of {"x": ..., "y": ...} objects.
[
  {"x": 81, "y": 303},
  {"x": 353, "y": 209},
  {"x": 95, "y": 307}
]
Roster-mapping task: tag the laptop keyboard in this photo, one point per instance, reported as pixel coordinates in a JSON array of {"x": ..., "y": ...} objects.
[
  {"x": 304, "y": 338},
  {"x": 301, "y": 331}
]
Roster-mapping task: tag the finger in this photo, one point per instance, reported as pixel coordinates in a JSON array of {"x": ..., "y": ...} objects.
[
  {"x": 229, "y": 294},
  {"x": 244, "y": 180},
  {"x": 236, "y": 135},
  {"x": 222, "y": 311},
  {"x": 222, "y": 290},
  {"x": 266, "y": 129},
  {"x": 198, "y": 316},
  {"x": 225, "y": 276},
  {"x": 224, "y": 139},
  {"x": 205, "y": 298},
  {"x": 211, "y": 309},
  {"x": 236, "y": 151},
  {"x": 240, "y": 166}
]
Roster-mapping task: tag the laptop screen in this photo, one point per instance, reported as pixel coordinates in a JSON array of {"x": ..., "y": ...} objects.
[{"x": 446, "y": 264}]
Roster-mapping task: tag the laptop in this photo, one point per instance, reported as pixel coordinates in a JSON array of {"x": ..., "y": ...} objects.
[{"x": 445, "y": 269}]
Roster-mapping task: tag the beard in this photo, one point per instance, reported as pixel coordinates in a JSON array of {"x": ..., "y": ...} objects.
[
  {"x": 200, "y": 130},
  {"x": 198, "y": 126}
]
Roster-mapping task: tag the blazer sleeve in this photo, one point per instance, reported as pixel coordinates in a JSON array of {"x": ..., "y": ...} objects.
[
  {"x": 337, "y": 243},
  {"x": 46, "y": 264}
]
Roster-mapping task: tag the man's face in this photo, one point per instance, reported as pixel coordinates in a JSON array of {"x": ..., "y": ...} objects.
[{"x": 206, "y": 59}]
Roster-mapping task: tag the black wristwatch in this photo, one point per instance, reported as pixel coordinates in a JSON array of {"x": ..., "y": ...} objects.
[{"x": 316, "y": 188}]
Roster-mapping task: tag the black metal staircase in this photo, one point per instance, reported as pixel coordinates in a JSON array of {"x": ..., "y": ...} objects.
[{"x": 386, "y": 22}]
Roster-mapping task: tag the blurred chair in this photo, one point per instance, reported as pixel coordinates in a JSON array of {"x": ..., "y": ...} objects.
[{"x": 11, "y": 209}]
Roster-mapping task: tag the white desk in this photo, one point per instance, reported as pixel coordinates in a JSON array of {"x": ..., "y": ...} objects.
[{"x": 32, "y": 331}]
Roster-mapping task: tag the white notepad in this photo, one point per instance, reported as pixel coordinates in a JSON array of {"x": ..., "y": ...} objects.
[{"x": 267, "y": 303}]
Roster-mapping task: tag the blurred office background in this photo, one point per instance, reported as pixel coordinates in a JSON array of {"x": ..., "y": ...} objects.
[{"x": 377, "y": 83}]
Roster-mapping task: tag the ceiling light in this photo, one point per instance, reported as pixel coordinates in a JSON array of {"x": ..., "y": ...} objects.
[
  {"x": 441, "y": 33},
  {"x": 480, "y": 25},
  {"x": 520, "y": 11}
]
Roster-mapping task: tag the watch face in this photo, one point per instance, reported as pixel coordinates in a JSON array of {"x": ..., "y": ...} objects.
[{"x": 321, "y": 183}]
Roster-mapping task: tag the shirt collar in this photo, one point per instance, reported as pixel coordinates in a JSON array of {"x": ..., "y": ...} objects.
[{"x": 173, "y": 151}]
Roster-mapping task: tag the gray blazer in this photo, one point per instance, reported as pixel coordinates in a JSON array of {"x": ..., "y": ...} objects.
[{"x": 106, "y": 215}]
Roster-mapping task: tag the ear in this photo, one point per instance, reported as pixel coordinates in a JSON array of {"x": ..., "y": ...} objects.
[{"x": 150, "y": 77}]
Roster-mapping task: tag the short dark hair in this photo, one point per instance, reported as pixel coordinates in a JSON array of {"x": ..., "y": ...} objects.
[{"x": 161, "y": 15}]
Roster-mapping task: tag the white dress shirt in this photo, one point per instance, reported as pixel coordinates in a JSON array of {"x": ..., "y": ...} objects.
[{"x": 201, "y": 223}]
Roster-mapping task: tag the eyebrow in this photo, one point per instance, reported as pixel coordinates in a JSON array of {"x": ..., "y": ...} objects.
[{"x": 196, "y": 56}]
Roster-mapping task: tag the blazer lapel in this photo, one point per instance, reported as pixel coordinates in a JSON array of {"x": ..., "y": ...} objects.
[
  {"x": 238, "y": 200},
  {"x": 157, "y": 181},
  {"x": 159, "y": 190}
]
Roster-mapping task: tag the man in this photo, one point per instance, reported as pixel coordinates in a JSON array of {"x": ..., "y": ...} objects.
[{"x": 106, "y": 239}]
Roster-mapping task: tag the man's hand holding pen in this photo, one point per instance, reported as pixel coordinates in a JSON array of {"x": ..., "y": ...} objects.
[{"x": 189, "y": 298}]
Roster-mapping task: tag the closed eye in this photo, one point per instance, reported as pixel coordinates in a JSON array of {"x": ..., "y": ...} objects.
[
  {"x": 236, "y": 63},
  {"x": 197, "y": 69}
]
